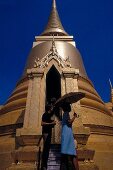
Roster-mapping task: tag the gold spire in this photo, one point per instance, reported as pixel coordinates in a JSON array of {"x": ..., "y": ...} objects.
[{"x": 54, "y": 25}]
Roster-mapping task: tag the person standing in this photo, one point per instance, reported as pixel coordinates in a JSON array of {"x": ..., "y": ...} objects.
[
  {"x": 68, "y": 151},
  {"x": 47, "y": 125}
]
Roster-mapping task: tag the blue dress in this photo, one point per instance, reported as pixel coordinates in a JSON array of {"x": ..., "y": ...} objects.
[{"x": 67, "y": 139}]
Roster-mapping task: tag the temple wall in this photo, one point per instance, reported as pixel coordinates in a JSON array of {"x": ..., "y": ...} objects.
[
  {"x": 7, "y": 146},
  {"x": 103, "y": 145}
]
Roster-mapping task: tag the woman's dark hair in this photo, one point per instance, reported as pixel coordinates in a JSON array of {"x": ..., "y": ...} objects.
[{"x": 66, "y": 107}]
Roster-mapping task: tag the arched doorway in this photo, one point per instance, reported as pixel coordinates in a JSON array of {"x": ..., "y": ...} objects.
[
  {"x": 53, "y": 90},
  {"x": 53, "y": 84}
]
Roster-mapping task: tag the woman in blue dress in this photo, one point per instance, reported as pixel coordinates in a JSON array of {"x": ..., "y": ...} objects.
[{"x": 68, "y": 150}]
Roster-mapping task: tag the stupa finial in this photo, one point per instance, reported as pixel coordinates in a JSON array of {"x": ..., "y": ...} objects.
[
  {"x": 54, "y": 25},
  {"x": 54, "y": 4}
]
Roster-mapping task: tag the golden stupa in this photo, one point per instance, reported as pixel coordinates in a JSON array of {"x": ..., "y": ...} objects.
[{"x": 54, "y": 67}]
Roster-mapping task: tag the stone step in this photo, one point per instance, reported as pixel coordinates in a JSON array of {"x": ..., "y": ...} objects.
[
  {"x": 53, "y": 168},
  {"x": 54, "y": 163},
  {"x": 54, "y": 158},
  {"x": 54, "y": 154}
]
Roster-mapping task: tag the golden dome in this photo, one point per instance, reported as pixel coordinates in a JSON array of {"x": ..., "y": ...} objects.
[{"x": 64, "y": 50}]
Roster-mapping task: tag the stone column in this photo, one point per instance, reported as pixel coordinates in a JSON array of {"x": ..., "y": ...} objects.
[
  {"x": 71, "y": 85},
  {"x": 70, "y": 77},
  {"x": 32, "y": 122},
  {"x": 28, "y": 138}
]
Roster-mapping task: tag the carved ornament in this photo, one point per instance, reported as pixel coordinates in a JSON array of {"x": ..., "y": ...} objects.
[{"x": 53, "y": 54}]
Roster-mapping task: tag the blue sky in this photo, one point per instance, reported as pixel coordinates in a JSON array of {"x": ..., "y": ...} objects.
[{"x": 89, "y": 21}]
